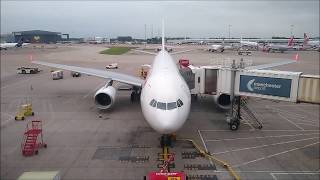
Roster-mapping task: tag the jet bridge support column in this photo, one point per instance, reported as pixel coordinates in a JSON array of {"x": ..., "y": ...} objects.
[{"x": 233, "y": 119}]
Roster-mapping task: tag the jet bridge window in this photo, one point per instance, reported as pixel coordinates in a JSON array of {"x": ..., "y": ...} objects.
[
  {"x": 171, "y": 105},
  {"x": 179, "y": 103},
  {"x": 161, "y": 105},
  {"x": 153, "y": 103}
]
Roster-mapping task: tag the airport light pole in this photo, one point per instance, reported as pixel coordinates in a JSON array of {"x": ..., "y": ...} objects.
[
  {"x": 291, "y": 29},
  {"x": 151, "y": 31},
  {"x": 229, "y": 27},
  {"x": 145, "y": 35}
]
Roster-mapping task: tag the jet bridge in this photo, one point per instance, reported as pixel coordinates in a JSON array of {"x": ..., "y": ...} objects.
[
  {"x": 267, "y": 84},
  {"x": 229, "y": 84}
]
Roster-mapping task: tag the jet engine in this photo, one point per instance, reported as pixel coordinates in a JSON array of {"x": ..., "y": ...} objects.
[
  {"x": 105, "y": 97},
  {"x": 223, "y": 101}
]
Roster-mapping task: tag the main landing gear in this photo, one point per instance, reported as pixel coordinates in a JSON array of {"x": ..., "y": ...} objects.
[
  {"x": 234, "y": 125},
  {"x": 235, "y": 117}
]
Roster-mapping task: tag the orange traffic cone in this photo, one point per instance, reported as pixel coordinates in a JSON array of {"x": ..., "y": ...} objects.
[{"x": 296, "y": 57}]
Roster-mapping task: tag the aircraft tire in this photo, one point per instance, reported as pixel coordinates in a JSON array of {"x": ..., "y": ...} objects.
[{"x": 234, "y": 125}]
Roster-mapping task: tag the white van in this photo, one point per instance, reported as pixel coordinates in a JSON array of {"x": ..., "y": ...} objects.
[{"x": 57, "y": 75}]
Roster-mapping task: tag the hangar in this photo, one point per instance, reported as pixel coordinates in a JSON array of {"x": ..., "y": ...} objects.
[{"x": 37, "y": 36}]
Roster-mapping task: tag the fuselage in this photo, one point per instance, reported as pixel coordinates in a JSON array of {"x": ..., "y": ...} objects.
[
  {"x": 8, "y": 45},
  {"x": 217, "y": 47},
  {"x": 11, "y": 45},
  {"x": 165, "y": 96},
  {"x": 249, "y": 43},
  {"x": 313, "y": 43}
]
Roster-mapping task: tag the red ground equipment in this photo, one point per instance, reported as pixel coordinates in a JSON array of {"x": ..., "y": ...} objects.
[
  {"x": 33, "y": 138},
  {"x": 164, "y": 173},
  {"x": 184, "y": 63},
  {"x": 166, "y": 176}
]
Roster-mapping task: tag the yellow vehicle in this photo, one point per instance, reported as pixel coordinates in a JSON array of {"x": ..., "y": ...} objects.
[{"x": 24, "y": 110}]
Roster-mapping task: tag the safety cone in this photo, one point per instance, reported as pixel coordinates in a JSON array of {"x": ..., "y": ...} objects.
[
  {"x": 30, "y": 58},
  {"x": 296, "y": 57}
]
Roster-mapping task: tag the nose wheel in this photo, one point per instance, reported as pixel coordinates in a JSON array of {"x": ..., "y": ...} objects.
[{"x": 167, "y": 140}]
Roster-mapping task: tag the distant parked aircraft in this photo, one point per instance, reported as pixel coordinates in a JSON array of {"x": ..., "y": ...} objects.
[
  {"x": 280, "y": 47},
  {"x": 216, "y": 48},
  {"x": 251, "y": 44},
  {"x": 307, "y": 44},
  {"x": 5, "y": 46}
]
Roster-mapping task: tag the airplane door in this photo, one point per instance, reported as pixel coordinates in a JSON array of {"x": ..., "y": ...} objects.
[{"x": 211, "y": 77}]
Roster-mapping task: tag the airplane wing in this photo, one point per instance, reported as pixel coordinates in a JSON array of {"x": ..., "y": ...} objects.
[
  {"x": 146, "y": 52},
  {"x": 179, "y": 52},
  {"x": 151, "y": 53},
  {"x": 120, "y": 77},
  {"x": 267, "y": 66}
]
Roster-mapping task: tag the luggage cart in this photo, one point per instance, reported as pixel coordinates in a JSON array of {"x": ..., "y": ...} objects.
[{"x": 24, "y": 110}]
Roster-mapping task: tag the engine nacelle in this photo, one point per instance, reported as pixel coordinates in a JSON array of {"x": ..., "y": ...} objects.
[
  {"x": 105, "y": 97},
  {"x": 223, "y": 101}
]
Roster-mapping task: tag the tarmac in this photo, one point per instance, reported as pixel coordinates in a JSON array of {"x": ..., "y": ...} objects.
[{"x": 87, "y": 143}]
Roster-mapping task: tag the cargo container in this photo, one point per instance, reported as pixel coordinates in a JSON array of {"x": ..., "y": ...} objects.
[{"x": 57, "y": 75}]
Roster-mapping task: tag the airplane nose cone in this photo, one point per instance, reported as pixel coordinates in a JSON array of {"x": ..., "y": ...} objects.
[{"x": 167, "y": 123}]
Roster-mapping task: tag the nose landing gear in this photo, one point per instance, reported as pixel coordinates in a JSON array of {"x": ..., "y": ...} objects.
[
  {"x": 135, "y": 94},
  {"x": 235, "y": 117},
  {"x": 167, "y": 140}
]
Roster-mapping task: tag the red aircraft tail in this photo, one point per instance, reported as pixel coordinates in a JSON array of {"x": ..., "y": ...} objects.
[
  {"x": 306, "y": 39},
  {"x": 290, "y": 41}
]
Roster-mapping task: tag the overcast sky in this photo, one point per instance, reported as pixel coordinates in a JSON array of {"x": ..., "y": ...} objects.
[{"x": 193, "y": 19}]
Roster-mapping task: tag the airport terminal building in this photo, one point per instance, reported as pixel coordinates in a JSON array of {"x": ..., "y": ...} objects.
[{"x": 37, "y": 36}]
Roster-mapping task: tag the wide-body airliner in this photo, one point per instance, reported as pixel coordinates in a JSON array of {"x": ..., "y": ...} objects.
[{"x": 164, "y": 95}]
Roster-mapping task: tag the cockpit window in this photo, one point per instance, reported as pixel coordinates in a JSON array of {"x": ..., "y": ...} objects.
[
  {"x": 153, "y": 103},
  {"x": 166, "y": 106},
  {"x": 171, "y": 105},
  {"x": 161, "y": 105},
  {"x": 179, "y": 103}
]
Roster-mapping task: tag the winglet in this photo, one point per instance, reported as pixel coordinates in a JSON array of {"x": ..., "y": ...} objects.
[{"x": 163, "y": 35}]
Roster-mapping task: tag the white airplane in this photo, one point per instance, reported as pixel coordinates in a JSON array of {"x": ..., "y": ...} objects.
[
  {"x": 220, "y": 47},
  {"x": 249, "y": 44},
  {"x": 5, "y": 46},
  {"x": 307, "y": 44},
  {"x": 165, "y": 97},
  {"x": 216, "y": 48}
]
